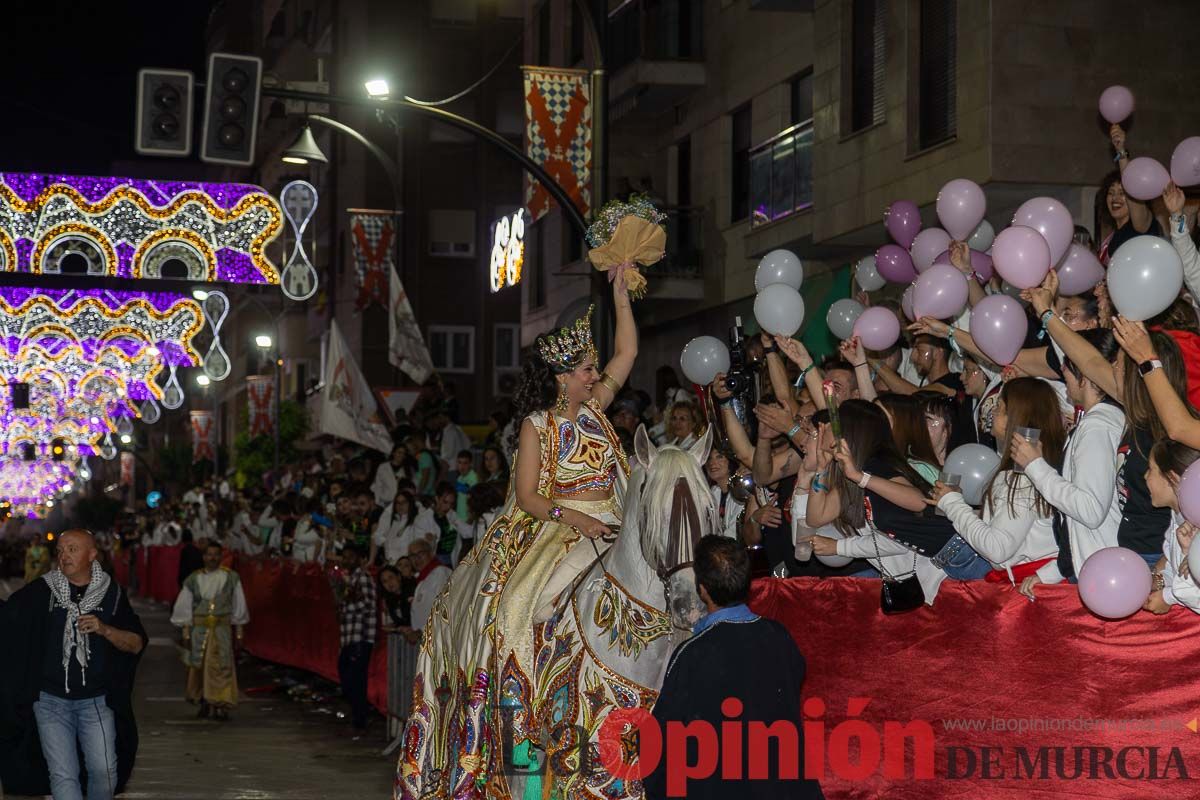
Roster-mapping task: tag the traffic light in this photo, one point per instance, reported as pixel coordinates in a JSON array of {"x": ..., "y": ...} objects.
[
  {"x": 164, "y": 113},
  {"x": 231, "y": 109}
]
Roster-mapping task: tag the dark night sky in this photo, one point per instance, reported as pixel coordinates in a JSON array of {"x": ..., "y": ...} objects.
[{"x": 70, "y": 77}]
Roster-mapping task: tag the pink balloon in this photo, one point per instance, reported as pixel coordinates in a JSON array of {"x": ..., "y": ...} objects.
[
  {"x": 1144, "y": 178},
  {"x": 1116, "y": 104},
  {"x": 960, "y": 207},
  {"x": 940, "y": 292},
  {"x": 1021, "y": 256},
  {"x": 1188, "y": 493},
  {"x": 878, "y": 328},
  {"x": 1185, "y": 162},
  {"x": 1079, "y": 270},
  {"x": 902, "y": 220},
  {"x": 999, "y": 326},
  {"x": 980, "y": 262},
  {"x": 926, "y": 246},
  {"x": 906, "y": 303},
  {"x": 1051, "y": 219},
  {"x": 1114, "y": 582},
  {"x": 894, "y": 263}
]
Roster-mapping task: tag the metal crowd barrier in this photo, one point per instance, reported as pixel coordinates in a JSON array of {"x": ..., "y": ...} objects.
[{"x": 401, "y": 671}]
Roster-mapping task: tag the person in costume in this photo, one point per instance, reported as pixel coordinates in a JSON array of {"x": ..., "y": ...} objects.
[
  {"x": 209, "y": 606},
  {"x": 563, "y": 507},
  {"x": 72, "y": 646}
]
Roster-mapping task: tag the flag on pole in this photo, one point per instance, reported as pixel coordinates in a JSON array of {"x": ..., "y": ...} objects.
[
  {"x": 558, "y": 136},
  {"x": 406, "y": 348},
  {"x": 204, "y": 439},
  {"x": 260, "y": 392},
  {"x": 372, "y": 238},
  {"x": 348, "y": 407}
]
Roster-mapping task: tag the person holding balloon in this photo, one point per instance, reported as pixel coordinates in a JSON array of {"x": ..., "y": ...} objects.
[
  {"x": 1084, "y": 494},
  {"x": 1015, "y": 533},
  {"x": 1172, "y": 581},
  {"x": 1181, "y": 237},
  {"x": 1122, "y": 216}
]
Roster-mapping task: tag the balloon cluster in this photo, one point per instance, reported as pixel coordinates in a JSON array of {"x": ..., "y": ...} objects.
[{"x": 779, "y": 308}]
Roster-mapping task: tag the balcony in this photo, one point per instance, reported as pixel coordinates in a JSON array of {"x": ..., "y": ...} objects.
[
  {"x": 654, "y": 54},
  {"x": 781, "y": 175},
  {"x": 679, "y": 276}
]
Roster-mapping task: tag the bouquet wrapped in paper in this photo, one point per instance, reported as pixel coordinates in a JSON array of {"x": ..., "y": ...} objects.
[{"x": 627, "y": 235}]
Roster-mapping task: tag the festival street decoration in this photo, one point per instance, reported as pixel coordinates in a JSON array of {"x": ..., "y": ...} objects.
[
  {"x": 299, "y": 277},
  {"x": 132, "y": 228},
  {"x": 260, "y": 394},
  {"x": 558, "y": 136},
  {"x": 204, "y": 436},
  {"x": 348, "y": 408},
  {"x": 406, "y": 349},
  {"x": 372, "y": 239}
]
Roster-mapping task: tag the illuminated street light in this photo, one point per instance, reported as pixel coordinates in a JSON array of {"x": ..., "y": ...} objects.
[
  {"x": 203, "y": 380},
  {"x": 378, "y": 87},
  {"x": 263, "y": 341}
]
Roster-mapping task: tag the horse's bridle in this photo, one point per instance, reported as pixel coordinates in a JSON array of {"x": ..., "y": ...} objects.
[{"x": 684, "y": 510}]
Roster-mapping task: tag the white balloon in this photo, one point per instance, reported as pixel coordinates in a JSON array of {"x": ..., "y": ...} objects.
[
  {"x": 702, "y": 358},
  {"x": 975, "y": 464},
  {"x": 982, "y": 238},
  {"x": 779, "y": 309},
  {"x": 779, "y": 266},
  {"x": 1145, "y": 276},
  {"x": 842, "y": 316},
  {"x": 832, "y": 561},
  {"x": 867, "y": 275}
]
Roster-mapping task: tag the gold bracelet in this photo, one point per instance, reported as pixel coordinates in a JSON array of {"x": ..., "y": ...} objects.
[{"x": 609, "y": 382}]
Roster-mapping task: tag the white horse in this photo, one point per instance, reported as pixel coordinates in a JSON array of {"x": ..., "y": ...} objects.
[{"x": 605, "y": 642}]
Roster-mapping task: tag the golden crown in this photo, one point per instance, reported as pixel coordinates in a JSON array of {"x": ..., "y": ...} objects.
[{"x": 566, "y": 348}]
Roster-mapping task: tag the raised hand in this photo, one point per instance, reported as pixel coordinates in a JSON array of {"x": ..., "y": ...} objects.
[
  {"x": 960, "y": 257},
  {"x": 720, "y": 389},
  {"x": 796, "y": 352},
  {"x": 1116, "y": 134},
  {"x": 774, "y": 417},
  {"x": 1134, "y": 339},
  {"x": 1042, "y": 297},
  {"x": 1173, "y": 199},
  {"x": 852, "y": 350},
  {"x": 930, "y": 326}
]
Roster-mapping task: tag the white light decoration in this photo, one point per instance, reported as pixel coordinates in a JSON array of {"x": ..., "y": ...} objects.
[
  {"x": 508, "y": 251},
  {"x": 299, "y": 278}
]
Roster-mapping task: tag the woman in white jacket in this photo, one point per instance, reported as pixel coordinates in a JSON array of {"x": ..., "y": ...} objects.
[
  {"x": 1085, "y": 493},
  {"x": 1015, "y": 533},
  {"x": 1173, "y": 584}
]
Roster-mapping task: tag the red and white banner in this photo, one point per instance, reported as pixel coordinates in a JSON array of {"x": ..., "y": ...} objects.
[
  {"x": 260, "y": 391},
  {"x": 372, "y": 239},
  {"x": 558, "y": 136},
  {"x": 204, "y": 436},
  {"x": 406, "y": 348},
  {"x": 348, "y": 408},
  {"x": 127, "y": 468}
]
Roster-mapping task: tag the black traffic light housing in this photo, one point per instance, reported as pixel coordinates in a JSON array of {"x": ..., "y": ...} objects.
[
  {"x": 164, "y": 113},
  {"x": 231, "y": 100}
]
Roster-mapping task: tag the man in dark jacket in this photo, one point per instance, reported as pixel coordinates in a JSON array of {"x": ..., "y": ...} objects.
[
  {"x": 73, "y": 642},
  {"x": 708, "y": 681}
]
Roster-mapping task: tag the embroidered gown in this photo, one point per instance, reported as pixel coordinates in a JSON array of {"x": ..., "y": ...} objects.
[{"x": 478, "y": 647}]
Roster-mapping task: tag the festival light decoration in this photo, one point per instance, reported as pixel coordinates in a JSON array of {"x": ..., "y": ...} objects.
[{"x": 132, "y": 228}]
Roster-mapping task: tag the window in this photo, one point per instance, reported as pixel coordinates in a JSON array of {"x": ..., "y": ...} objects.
[
  {"x": 507, "y": 343},
  {"x": 867, "y": 57},
  {"x": 740, "y": 172},
  {"x": 800, "y": 93},
  {"x": 452, "y": 348},
  {"x": 454, "y": 12},
  {"x": 939, "y": 62},
  {"x": 543, "y": 47},
  {"x": 452, "y": 233}
]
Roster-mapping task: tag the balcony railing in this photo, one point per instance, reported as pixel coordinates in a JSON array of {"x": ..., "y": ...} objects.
[
  {"x": 655, "y": 30},
  {"x": 781, "y": 175}
]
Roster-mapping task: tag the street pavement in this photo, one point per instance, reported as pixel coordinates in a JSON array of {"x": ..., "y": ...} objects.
[{"x": 273, "y": 748}]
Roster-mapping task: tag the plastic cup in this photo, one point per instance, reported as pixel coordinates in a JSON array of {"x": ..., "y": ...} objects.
[
  {"x": 950, "y": 479},
  {"x": 1034, "y": 435}
]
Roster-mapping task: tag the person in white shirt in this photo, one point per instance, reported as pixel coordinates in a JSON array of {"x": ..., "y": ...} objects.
[
  {"x": 1016, "y": 530},
  {"x": 308, "y": 541},
  {"x": 388, "y": 475},
  {"x": 270, "y": 525},
  {"x": 432, "y": 575},
  {"x": 720, "y": 469},
  {"x": 242, "y": 533},
  {"x": 1173, "y": 583},
  {"x": 453, "y": 440},
  {"x": 401, "y": 524},
  {"x": 685, "y": 425},
  {"x": 1084, "y": 495}
]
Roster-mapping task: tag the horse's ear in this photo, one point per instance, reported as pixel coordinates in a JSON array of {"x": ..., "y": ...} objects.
[
  {"x": 644, "y": 448},
  {"x": 703, "y": 445}
]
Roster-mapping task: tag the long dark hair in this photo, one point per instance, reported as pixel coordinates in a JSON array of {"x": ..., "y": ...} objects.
[
  {"x": 908, "y": 426},
  {"x": 1173, "y": 458},
  {"x": 1135, "y": 397},
  {"x": 537, "y": 392},
  {"x": 1103, "y": 218},
  {"x": 412, "y": 505},
  {"x": 1029, "y": 403},
  {"x": 869, "y": 436}
]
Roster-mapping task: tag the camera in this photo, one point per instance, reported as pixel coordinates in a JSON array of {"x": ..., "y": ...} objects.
[{"x": 740, "y": 379}]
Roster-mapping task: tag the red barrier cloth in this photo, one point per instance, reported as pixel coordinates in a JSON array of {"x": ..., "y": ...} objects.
[
  {"x": 163, "y": 577},
  {"x": 120, "y": 565},
  {"x": 984, "y": 660},
  {"x": 293, "y": 621}
]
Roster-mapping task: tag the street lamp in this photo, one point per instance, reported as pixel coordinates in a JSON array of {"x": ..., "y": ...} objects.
[
  {"x": 304, "y": 150},
  {"x": 203, "y": 380},
  {"x": 199, "y": 295},
  {"x": 377, "y": 87},
  {"x": 265, "y": 343}
]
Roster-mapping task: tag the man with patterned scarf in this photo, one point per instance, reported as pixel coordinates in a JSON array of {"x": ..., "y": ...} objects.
[{"x": 74, "y": 645}]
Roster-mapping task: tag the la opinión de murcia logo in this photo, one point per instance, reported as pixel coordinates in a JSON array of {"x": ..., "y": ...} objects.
[{"x": 631, "y": 745}]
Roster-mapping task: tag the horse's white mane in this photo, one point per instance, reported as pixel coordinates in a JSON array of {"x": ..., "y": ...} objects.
[{"x": 653, "y": 493}]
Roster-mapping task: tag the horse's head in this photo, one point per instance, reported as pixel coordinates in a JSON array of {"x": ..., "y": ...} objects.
[{"x": 675, "y": 509}]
